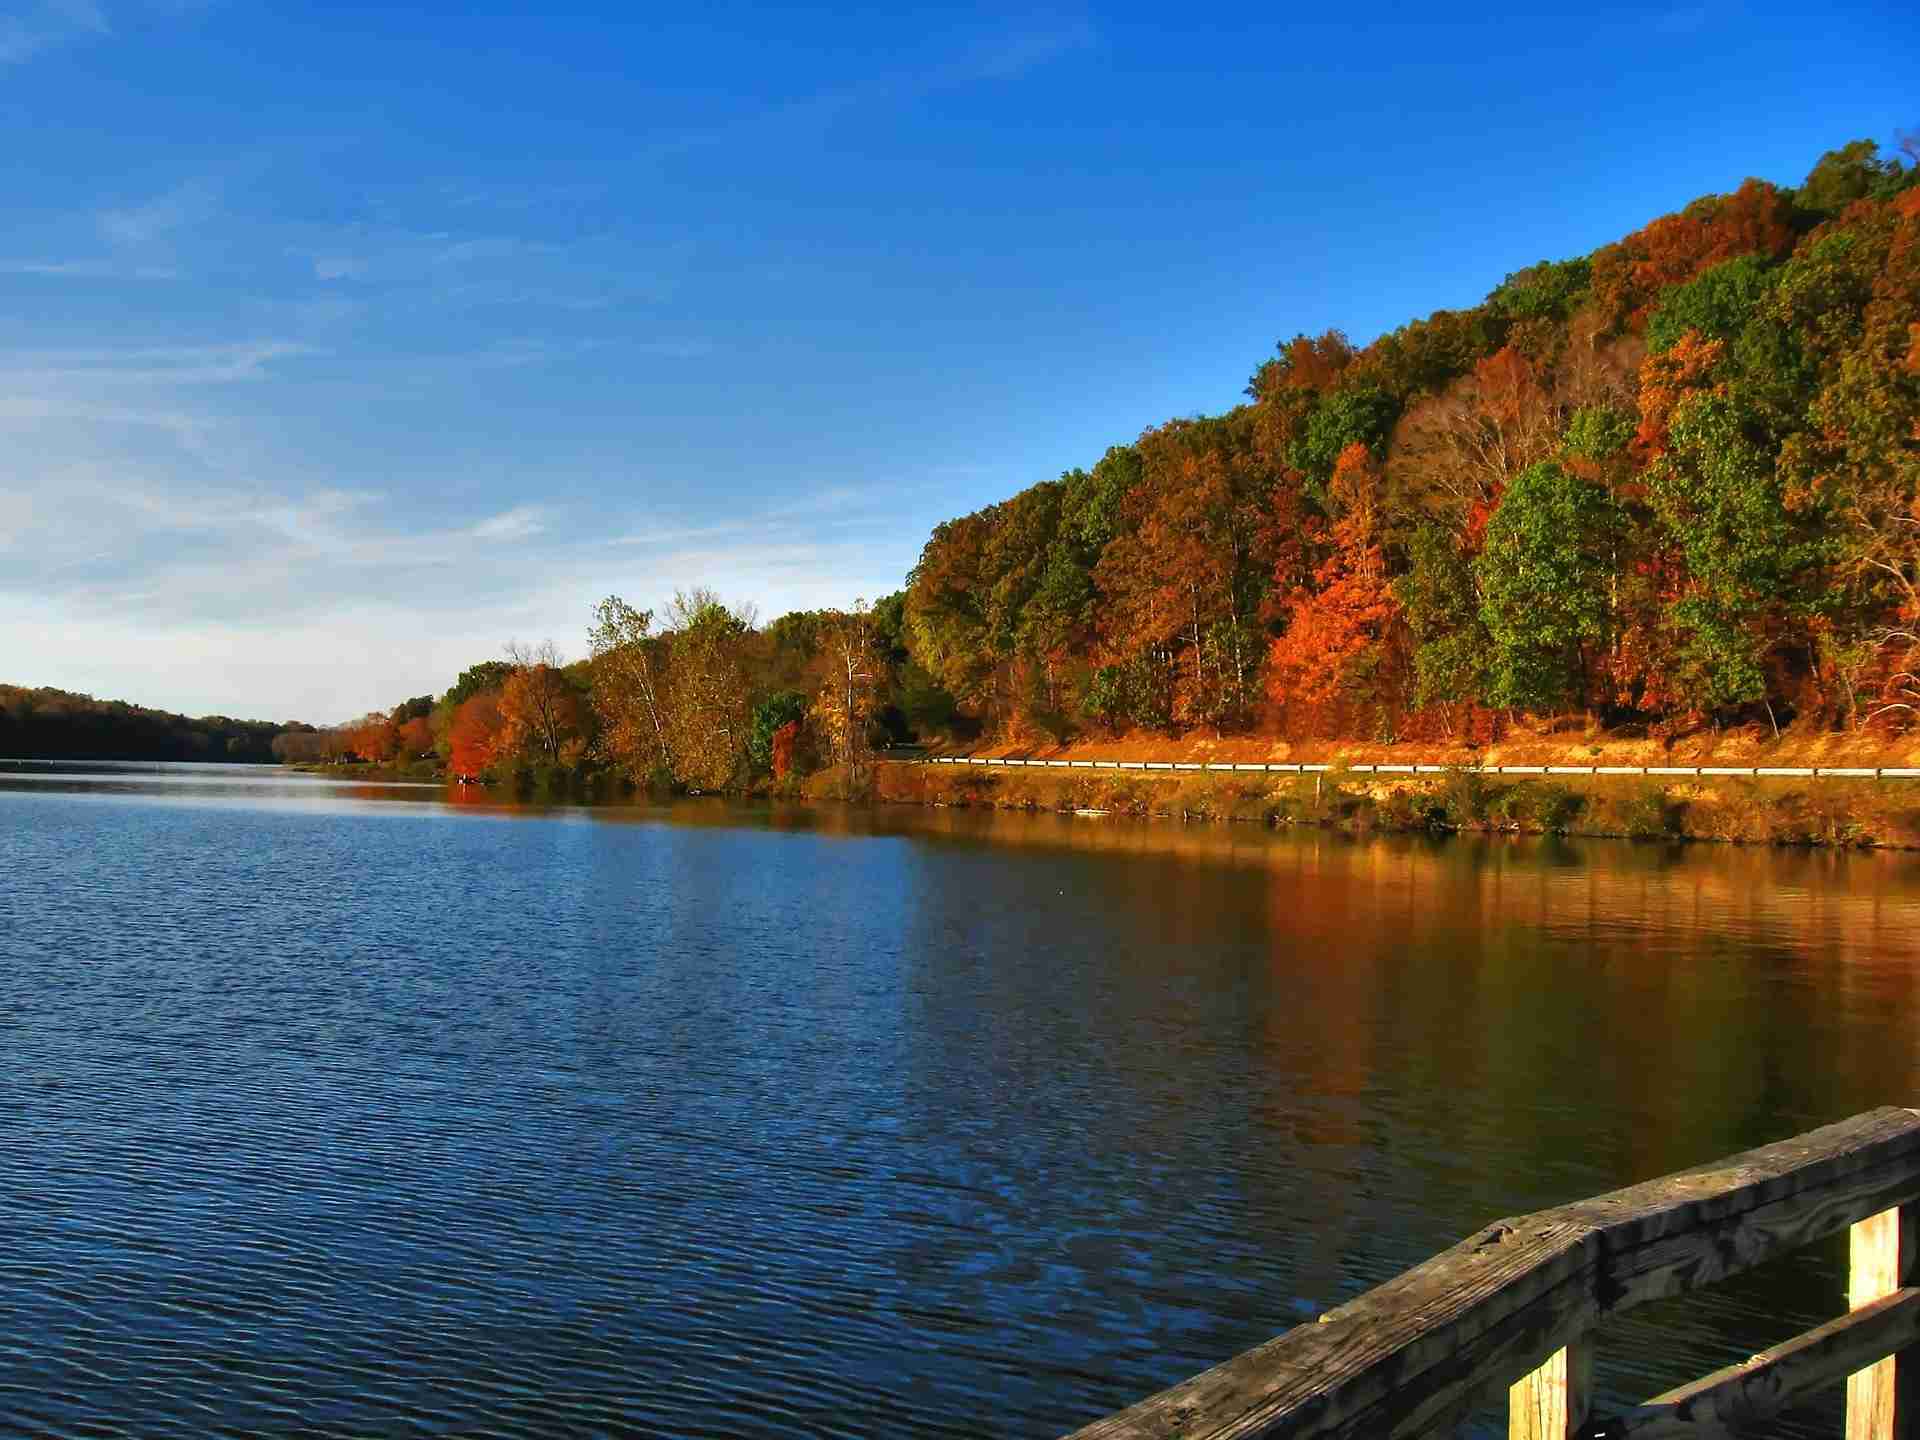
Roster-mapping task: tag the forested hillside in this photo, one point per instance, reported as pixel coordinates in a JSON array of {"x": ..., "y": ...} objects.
[{"x": 1672, "y": 482}]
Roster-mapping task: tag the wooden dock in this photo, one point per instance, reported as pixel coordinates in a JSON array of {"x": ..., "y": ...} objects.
[{"x": 1517, "y": 1308}]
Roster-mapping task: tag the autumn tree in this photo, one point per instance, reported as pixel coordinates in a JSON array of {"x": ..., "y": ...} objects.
[
  {"x": 782, "y": 748},
  {"x": 415, "y": 738},
  {"x": 947, "y": 610},
  {"x": 849, "y": 699},
  {"x": 475, "y": 735},
  {"x": 1184, "y": 578},
  {"x": 707, "y": 708},
  {"x": 1757, "y": 219},
  {"x": 629, "y": 669},
  {"x": 1335, "y": 627},
  {"x": 475, "y": 679},
  {"x": 1457, "y": 451},
  {"x": 540, "y": 710},
  {"x": 374, "y": 737}
]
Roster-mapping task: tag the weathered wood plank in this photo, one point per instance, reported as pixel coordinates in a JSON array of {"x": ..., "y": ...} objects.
[
  {"x": 1742, "y": 1397},
  {"x": 1881, "y": 1397},
  {"x": 1551, "y": 1403},
  {"x": 1420, "y": 1351}
]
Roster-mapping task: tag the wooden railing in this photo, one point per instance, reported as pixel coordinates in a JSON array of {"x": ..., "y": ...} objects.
[{"x": 1515, "y": 1308}]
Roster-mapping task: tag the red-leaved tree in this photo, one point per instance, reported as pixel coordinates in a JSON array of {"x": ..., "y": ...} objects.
[
  {"x": 1335, "y": 626},
  {"x": 474, "y": 738}
]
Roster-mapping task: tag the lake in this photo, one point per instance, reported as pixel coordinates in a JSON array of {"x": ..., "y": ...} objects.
[{"x": 344, "y": 1109}]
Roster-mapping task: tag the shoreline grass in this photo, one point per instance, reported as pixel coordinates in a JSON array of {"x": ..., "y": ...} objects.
[{"x": 1862, "y": 814}]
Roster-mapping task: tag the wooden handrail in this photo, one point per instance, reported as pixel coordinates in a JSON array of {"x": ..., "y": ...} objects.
[{"x": 1513, "y": 1308}]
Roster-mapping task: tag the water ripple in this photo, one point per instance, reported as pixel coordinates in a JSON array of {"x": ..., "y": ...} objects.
[{"x": 315, "y": 1124}]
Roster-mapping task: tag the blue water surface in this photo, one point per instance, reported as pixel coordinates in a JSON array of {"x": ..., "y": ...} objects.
[{"x": 336, "y": 1110}]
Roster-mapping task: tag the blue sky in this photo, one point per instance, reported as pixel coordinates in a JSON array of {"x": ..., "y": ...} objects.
[{"x": 343, "y": 344}]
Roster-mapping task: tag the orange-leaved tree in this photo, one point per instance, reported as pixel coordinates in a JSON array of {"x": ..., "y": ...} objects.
[
  {"x": 374, "y": 737},
  {"x": 475, "y": 736},
  {"x": 1336, "y": 625},
  {"x": 541, "y": 713},
  {"x": 1669, "y": 378},
  {"x": 414, "y": 738},
  {"x": 785, "y": 740},
  {"x": 1757, "y": 219}
]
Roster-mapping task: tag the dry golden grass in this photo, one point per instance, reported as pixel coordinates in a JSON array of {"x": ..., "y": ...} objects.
[{"x": 1753, "y": 811}]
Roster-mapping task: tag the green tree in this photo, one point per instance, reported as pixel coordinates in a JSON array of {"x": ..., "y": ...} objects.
[
  {"x": 1598, "y": 432},
  {"x": 1842, "y": 176},
  {"x": 1094, "y": 506},
  {"x": 1542, "y": 575},
  {"x": 1353, "y": 414},
  {"x": 890, "y": 627},
  {"x": 1718, "y": 303},
  {"x": 1718, "y": 498},
  {"x": 487, "y": 675},
  {"x": 1551, "y": 289},
  {"x": 1442, "y": 610}
]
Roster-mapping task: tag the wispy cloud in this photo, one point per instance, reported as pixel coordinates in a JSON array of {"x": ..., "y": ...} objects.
[
  {"x": 127, "y": 575},
  {"x": 184, "y": 425},
  {"x": 88, "y": 270},
  {"x": 1016, "y": 51},
  {"x": 522, "y": 522},
  {"x": 675, "y": 349},
  {"x": 669, "y": 535},
  {"x": 832, "y": 498},
  {"x": 187, "y": 204},
  {"x": 338, "y": 267},
  {"x": 491, "y": 247},
  {"x": 85, "y": 406},
  {"x": 148, "y": 365},
  {"x": 1002, "y": 53},
  {"x": 463, "y": 271},
  {"x": 856, "y": 505}
]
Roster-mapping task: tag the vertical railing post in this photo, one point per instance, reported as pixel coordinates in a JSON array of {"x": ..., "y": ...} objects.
[
  {"x": 1552, "y": 1402},
  {"x": 1882, "y": 1398}
]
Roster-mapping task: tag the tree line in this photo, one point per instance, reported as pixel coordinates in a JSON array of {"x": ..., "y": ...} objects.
[
  {"x": 696, "y": 698},
  {"x": 47, "y": 724},
  {"x": 1670, "y": 484}
]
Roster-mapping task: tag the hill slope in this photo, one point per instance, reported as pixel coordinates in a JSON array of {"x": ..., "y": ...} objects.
[{"x": 1670, "y": 483}]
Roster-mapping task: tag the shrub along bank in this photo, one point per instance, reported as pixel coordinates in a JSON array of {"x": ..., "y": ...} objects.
[{"x": 1759, "y": 811}]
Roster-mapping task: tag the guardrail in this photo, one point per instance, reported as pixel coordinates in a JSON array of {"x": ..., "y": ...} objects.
[
  {"x": 1824, "y": 772},
  {"x": 1515, "y": 1308}
]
